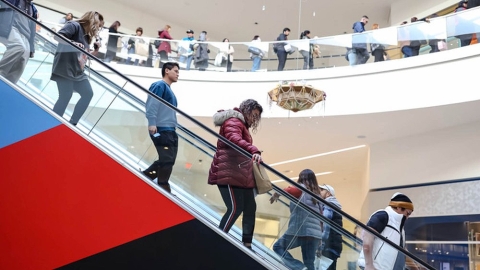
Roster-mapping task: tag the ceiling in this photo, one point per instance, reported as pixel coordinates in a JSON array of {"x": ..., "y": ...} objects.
[{"x": 234, "y": 19}]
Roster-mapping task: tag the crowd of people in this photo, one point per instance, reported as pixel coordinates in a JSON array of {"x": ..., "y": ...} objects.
[{"x": 230, "y": 171}]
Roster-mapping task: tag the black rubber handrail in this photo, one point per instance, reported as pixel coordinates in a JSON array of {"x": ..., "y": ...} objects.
[{"x": 227, "y": 142}]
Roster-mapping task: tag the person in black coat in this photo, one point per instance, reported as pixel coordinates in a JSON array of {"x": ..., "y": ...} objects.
[{"x": 112, "y": 42}]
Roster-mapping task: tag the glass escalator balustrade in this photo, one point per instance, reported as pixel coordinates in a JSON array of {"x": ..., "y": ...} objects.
[{"x": 115, "y": 120}]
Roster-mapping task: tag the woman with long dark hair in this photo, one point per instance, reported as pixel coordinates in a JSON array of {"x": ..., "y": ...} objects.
[
  {"x": 231, "y": 171},
  {"x": 307, "y": 55},
  {"x": 229, "y": 55},
  {"x": 112, "y": 42},
  {"x": 304, "y": 230},
  {"x": 69, "y": 63}
]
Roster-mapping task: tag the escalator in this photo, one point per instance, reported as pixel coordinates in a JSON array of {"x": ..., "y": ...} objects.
[{"x": 89, "y": 174}]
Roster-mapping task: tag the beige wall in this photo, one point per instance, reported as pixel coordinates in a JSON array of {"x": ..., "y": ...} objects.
[
  {"x": 405, "y": 9},
  {"x": 429, "y": 157},
  {"x": 446, "y": 154}
]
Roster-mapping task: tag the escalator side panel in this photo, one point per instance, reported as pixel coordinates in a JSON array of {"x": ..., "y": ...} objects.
[
  {"x": 64, "y": 200},
  {"x": 30, "y": 119}
]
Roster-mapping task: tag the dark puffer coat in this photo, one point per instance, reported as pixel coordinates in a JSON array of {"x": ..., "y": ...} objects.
[{"x": 228, "y": 166}]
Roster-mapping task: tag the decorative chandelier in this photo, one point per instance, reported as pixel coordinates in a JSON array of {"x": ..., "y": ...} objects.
[{"x": 296, "y": 97}]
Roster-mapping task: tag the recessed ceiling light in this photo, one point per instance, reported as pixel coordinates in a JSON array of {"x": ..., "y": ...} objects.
[
  {"x": 318, "y": 155},
  {"x": 361, "y": 136}
]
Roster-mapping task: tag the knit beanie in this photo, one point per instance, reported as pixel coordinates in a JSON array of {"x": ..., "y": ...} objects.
[{"x": 401, "y": 200}]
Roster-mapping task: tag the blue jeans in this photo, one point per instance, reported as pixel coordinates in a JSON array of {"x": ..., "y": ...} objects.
[
  {"x": 189, "y": 59},
  {"x": 407, "y": 51},
  {"x": 129, "y": 59},
  {"x": 358, "y": 56},
  {"x": 257, "y": 60},
  {"x": 308, "y": 245}
]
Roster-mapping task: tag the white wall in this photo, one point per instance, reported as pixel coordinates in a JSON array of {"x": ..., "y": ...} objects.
[
  {"x": 446, "y": 154},
  {"x": 405, "y": 9},
  {"x": 417, "y": 82}
]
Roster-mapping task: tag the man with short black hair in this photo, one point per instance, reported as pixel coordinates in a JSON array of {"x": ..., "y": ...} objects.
[
  {"x": 186, "y": 49},
  {"x": 359, "y": 54},
  {"x": 279, "y": 48},
  {"x": 162, "y": 122},
  {"x": 66, "y": 19},
  {"x": 390, "y": 224}
]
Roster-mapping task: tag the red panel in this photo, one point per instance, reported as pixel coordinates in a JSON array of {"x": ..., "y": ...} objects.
[{"x": 62, "y": 199}]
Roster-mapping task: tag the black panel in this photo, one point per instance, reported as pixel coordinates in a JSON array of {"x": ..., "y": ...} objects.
[{"x": 190, "y": 245}]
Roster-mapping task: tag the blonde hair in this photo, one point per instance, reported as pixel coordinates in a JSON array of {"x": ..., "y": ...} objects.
[
  {"x": 167, "y": 27},
  {"x": 375, "y": 26},
  {"x": 90, "y": 21}
]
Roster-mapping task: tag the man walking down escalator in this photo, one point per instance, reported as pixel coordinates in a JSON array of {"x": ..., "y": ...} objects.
[
  {"x": 390, "y": 224},
  {"x": 17, "y": 33},
  {"x": 162, "y": 122}
]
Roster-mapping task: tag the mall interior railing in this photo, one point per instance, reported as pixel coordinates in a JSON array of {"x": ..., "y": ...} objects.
[{"x": 436, "y": 35}]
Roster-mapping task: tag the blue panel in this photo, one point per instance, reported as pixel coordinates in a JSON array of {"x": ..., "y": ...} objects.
[{"x": 20, "y": 118}]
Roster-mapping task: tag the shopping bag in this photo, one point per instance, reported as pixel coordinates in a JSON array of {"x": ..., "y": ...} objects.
[
  {"x": 322, "y": 263},
  {"x": 261, "y": 179},
  {"x": 141, "y": 48},
  {"x": 442, "y": 45}
]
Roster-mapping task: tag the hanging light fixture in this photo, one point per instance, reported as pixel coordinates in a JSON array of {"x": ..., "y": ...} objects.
[{"x": 296, "y": 97}]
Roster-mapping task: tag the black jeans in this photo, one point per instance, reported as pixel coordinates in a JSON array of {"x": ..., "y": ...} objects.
[
  {"x": 238, "y": 200},
  {"x": 282, "y": 59},
  {"x": 65, "y": 92},
  {"x": 167, "y": 148},
  {"x": 378, "y": 55},
  {"x": 333, "y": 257}
]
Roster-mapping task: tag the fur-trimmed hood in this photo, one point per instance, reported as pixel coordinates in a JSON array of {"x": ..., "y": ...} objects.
[{"x": 223, "y": 115}]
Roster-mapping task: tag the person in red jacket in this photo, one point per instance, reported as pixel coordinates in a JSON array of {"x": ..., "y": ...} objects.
[
  {"x": 231, "y": 171},
  {"x": 164, "y": 49}
]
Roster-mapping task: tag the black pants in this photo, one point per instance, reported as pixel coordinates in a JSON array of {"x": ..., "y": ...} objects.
[
  {"x": 239, "y": 200},
  {"x": 229, "y": 66},
  {"x": 332, "y": 257},
  {"x": 378, "y": 55},
  {"x": 65, "y": 92},
  {"x": 163, "y": 58},
  {"x": 282, "y": 59},
  {"x": 167, "y": 148}
]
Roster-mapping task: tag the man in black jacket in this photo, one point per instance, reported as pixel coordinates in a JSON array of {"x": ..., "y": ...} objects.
[
  {"x": 18, "y": 35},
  {"x": 279, "y": 49}
]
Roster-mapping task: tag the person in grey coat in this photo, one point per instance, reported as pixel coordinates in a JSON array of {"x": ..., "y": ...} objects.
[
  {"x": 17, "y": 33},
  {"x": 304, "y": 230},
  {"x": 201, "y": 52}
]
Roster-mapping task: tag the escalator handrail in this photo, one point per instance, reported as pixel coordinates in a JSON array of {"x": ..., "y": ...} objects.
[
  {"x": 223, "y": 139},
  {"x": 138, "y": 101}
]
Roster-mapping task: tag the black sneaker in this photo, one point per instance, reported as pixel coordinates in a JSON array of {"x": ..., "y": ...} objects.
[{"x": 151, "y": 175}]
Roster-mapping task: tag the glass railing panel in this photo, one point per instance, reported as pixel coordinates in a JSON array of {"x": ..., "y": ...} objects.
[
  {"x": 462, "y": 25},
  {"x": 332, "y": 51}
]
